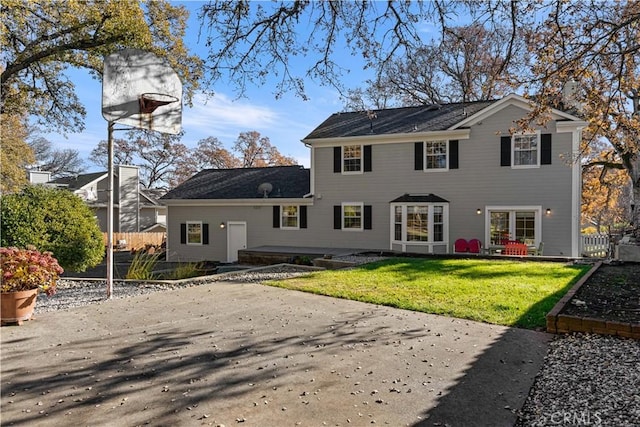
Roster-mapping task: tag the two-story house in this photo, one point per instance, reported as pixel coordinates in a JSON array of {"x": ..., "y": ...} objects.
[
  {"x": 410, "y": 179},
  {"x": 135, "y": 209}
]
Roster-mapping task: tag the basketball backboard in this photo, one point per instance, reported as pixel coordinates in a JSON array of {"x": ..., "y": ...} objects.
[{"x": 140, "y": 89}]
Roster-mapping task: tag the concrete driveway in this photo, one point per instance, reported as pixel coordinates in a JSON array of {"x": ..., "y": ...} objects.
[{"x": 238, "y": 354}]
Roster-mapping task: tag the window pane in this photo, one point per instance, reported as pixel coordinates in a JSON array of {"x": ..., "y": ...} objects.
[
  {"x": 438, "y": 223},
  {"x": 525, "y": 227},
  {"x": 398, "y": 223},
  {"x": 351, "y": 158},
  {"x": 417, "y": 224},
  {"x": 436, "y": 154},
  {"x": 499, "y": 228},
  {"x": 352, "y": 216},
  {"x": 525, "y": 150},
  {"x": 290, "y": 216},
  {"x": 194, "y": 233}
]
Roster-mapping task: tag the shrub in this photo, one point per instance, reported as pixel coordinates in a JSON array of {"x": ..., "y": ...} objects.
[
  {"x": 185, "y": 271},
  {"x": 141, "y": 267},
  {"x": 53, "y": 220},
  {"x": 26, "y": 269}
]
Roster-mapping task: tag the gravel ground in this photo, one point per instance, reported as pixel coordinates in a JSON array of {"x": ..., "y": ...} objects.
[{"x": 587, "y": 380}]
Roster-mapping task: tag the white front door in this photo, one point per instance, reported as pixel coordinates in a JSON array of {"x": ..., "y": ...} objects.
[{"x": 236, "y": 239}]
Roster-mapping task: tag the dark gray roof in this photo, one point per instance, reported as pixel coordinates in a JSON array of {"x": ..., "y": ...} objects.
[
  {"x": 79, "y": 181},
  {"x": 243, "y": 183},
  {"x": 419, "y": 198},
  {"x": 426, "y": 118},
  {"x": 151, "y": 195}
]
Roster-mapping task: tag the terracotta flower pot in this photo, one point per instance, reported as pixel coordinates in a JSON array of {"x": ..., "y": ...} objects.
[{"x": 16, "y": 307}]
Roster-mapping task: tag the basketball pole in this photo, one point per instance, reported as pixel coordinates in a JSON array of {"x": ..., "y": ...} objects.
[{"x": 110, "y": 210}]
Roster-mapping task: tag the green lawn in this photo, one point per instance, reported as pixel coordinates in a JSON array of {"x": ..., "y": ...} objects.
[{"x": 502, "y": 292}]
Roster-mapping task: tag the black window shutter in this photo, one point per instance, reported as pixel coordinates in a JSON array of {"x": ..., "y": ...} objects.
[
  {"x": 453, "y": 154},
  {"x": 545, "y": 153},
  {"x": 205, "y": 234},
  {"x": 337, "y": 217},
  {"x": 367, "y": 217},
  {"x": 276, "y": 216},
  {"x": 419, "y": 156},
  {"x": 337, "y": 159},
  {"x": 183, "y": 233},
  {"x": 505, "y": 151},
  {"x": 303, "y": 217},
  {"x": 367, "y": 158}
]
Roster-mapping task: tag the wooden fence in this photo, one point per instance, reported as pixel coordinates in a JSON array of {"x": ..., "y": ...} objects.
[
  {"x": 595, "y": 245},
  {"x": 128, "y": 241}
]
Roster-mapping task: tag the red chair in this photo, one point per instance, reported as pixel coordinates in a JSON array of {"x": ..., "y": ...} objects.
[
  {"x": 515, "y": 249},
  {"x": 461, "y": 245},
  {"x": 475, "y": 246}
]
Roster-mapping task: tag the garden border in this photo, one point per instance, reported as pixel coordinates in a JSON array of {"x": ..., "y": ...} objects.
[{"x": 562, "y": 323}]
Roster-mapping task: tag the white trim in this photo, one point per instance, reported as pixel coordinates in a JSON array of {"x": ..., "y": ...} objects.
[
  {"x": 237, "y": 202},
  {"x": 538, "y": 150},
  {"x": 430, "y": 212},
  {"x": 424, "y": 156},
  {"x": 576, "y": 193},
  {"x": 358, "y": 172},
  {"x": 394, "y": 138},
  {"x": 297, "y": 227},
  {"x": 513, "y": 208},
  {"x": 510, "y": 100},
  {"x": 187, "y": 233},
  {"x": 570, "y": 126},
  {"x": 342, "y": 227}
]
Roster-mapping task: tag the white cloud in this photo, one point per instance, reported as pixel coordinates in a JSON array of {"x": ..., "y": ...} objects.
[{"x": 220, "y": 116}]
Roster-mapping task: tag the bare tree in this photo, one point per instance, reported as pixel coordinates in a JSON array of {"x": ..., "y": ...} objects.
[
  {"x": 60, "y": 162},
  {"x": 256, "y": 151},
  {"x": 592, "y": 43}
]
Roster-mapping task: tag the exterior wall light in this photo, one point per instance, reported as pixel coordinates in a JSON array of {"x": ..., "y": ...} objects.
[
  {"x": 548, "y": 211},
  {"x": 222, "y": 225},
  {"x": 479, "y": 211}
]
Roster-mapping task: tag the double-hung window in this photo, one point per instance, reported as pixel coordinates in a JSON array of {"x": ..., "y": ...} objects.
[
  {"x": 352, "y": 158},
  {"x": 352, "y": 216},
  {"x": 194, "y": 233},
  {"x": 514, "y": 223},
  {"x": 525, "y": 150},
  {"x": 290, "y": 217},
  {"x": 435, "y": 155}
]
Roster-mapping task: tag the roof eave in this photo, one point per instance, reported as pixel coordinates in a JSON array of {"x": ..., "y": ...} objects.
[
  {"x": 509, "y": 100},
  {"x": 389, "y": 138},
  {"x": 270, "y": 201}
]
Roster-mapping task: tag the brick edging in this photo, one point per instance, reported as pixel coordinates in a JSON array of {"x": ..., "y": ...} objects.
[{"x": 562, "y": 323}]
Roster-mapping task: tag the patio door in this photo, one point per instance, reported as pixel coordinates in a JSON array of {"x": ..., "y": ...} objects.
[
  {"x": 236, "y": 239},
  {"x": 521, "y": 223}
]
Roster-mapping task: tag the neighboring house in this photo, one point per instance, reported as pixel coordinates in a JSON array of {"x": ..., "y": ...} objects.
[
  {"x": 135, "y": 209},
  {"x": 410, "y": 179}
]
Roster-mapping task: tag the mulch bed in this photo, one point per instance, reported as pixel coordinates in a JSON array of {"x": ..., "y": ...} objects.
[{"x": 611, "y": 293}]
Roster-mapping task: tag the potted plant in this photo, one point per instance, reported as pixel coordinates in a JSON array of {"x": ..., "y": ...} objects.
[{"x": 24, "y": 273}]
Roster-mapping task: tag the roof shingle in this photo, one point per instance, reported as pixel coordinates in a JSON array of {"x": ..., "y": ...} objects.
[
  {"x": 243, "y": 183},
  {"x": 425, "y": 118}
]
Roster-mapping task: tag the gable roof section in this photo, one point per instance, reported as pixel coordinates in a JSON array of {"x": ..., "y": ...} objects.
[
  {"x": 511, "y": 100},
  {"x": 242, "y": 183},
  {"x": 79, "y": 181},
  {"x": 426, "y": 118}
]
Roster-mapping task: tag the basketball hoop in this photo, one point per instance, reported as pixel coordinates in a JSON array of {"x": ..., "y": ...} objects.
[{"x": 150, "y": 101}]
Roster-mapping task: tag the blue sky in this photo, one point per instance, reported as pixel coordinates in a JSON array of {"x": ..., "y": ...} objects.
[{"x": 285, "y": 121}]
